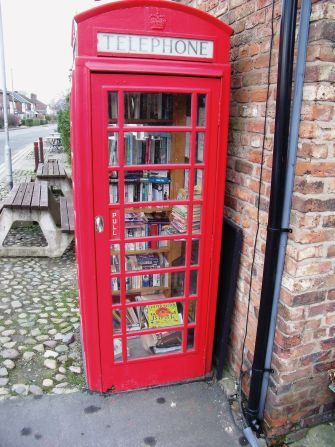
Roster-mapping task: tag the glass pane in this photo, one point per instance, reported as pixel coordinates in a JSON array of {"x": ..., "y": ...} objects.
[
  {"x": 195, "y": 252},
  {"x": 160, "y": 221},
  {"x": 112, "y": 108},
  {"x": 117, "y": 321},
  {"x": 149, "y": 186},
  {"x": 115, "y": 284},
  {"x": 198, "y": 184},
  {"x": 154, "y": 344},
  {"x": 200, "y": 146},
  {"x": 115, "y": 258},
  {"x": 113, "y": 189},
  {"x": 113, "y": 157},
  {"x": 201, "y": 111},
  {"x": 158, "y": 254},
  {"x": 196, "y": 218},
  {"x": 161, "y": 315},
  {"x": 169, "y": 284},
  {"x": 192, "y": 311},
  {"x": 190, "y": 339},
  {"x": 193, "y": 282},
  {"x": 156, "y": 147},
  {"x": 172, "y": 109},
  {"x": 117, "y": 350}
]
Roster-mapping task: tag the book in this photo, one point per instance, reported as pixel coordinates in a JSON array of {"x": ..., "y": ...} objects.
[{"x": 163, "y": 315}]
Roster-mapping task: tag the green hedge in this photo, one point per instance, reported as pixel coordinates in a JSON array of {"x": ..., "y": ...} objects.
[
  {"x": 33, "y": 122},
  {"x": 63, "y": 120}
]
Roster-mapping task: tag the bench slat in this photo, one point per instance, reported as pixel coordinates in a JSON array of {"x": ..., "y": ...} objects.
[
  {"x": 35, "y": 201},
  {"x": 64, "y": 217},
  {"x": 44, "y": 196},
  {"x": 11, "y": 196},
  {"x": 40, "y": 169},
  {"x": 50, "y": 169},
  {"x": 26, "y": 202},
  {"x": 56, "y": 168},
  {"x": 71, "y": 215},
  {"x": 62, "y": 172},
  {"x": 19, "y": 196}
]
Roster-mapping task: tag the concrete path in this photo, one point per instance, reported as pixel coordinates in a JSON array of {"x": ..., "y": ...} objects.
[{"x": 189, "y": 415}]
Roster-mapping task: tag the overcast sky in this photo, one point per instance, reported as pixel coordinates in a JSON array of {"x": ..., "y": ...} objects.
[{"x": 37, "y": 38}]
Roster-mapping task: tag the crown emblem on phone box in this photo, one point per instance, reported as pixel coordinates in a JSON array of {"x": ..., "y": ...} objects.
[{"x": 157, "y": 21}]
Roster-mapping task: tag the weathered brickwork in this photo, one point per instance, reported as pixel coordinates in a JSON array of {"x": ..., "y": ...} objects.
[{"x": 304, "y": 346}]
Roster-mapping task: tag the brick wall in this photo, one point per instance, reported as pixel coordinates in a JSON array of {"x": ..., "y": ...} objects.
[{"x": 304, "y": 346}]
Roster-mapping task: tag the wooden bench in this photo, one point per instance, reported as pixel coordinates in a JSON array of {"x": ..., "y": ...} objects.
[
  {"x": 66, "y": 215},
  {"x": 33, "y": 202},
  {"x": 54, "y": 172}
]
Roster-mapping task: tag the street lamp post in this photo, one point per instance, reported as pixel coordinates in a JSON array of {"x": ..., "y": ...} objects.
[{"x": 8, "y": 155}]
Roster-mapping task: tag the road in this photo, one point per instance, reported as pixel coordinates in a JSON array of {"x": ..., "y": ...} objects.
[{"x": 20, "y": 138}]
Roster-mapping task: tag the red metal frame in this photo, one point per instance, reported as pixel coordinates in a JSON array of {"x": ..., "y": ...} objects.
[{"x": 90, "y": 175}]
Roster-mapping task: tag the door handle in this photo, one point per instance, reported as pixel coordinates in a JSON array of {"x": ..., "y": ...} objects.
[{"x": 99, "y": 224}]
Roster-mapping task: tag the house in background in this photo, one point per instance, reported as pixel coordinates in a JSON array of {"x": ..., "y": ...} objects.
[
  {"x": 21, "y": 106},
  {"x": 40, "y": 107}
]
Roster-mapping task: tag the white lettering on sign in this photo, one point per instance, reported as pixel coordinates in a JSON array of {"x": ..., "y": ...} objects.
[
  {"x": 115, "y": 225},
  {"x": 155, "y": 45}
]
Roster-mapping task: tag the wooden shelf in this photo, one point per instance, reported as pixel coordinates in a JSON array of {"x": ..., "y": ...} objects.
[
  {"x": 147, "y": 209},
  {"x": 143, "y": 289},
  {"x": 149, "y": 121},
  {"x": 140, "y": 252}
]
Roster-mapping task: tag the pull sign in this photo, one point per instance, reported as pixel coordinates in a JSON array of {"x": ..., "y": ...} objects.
[
  {"x": 155, "y": 45},
  {"x": 115, "y": 224}
]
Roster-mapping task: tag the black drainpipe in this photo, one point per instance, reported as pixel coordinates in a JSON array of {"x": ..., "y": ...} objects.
[{"x": 280, "y": 145}]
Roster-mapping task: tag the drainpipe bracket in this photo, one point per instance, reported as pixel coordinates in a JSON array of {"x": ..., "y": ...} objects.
[{"x": 281, "y": 230}]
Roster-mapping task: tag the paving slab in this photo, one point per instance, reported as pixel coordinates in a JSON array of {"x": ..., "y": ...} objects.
[{"x": 193, "y": 414}]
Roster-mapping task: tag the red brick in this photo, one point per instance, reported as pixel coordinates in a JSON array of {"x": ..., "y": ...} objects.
[
  {"x": 327, "y": 53},
  {"x": 308, "y": 298},
  {"x": 318, "y": 169},
  {"x": 318, "y": 310},
  {"x": 312, "y": 205},
  {"x": 258, "y": 95},
  {"x": 242, "y": 166},
  {"x": 256, "y": 126},
  {"x": 313, "y": 150},
  {"x": 244, "y": 65},
  {"x": 328, "y": 344},
  {"x": 320, "y": 112},
  {"x": 304, "y": 186},
  {"x": 314, "y": 358},
  {"x": 308, "y": 129},
  {"x": 324, "y": 366},
  {"x": 329, "y": 221}
]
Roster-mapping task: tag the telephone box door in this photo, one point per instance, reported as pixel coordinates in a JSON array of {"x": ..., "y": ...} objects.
[{"x": 154, "y": 143}]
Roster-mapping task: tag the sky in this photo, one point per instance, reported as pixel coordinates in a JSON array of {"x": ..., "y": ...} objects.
[{"x": 37, "y": 41}]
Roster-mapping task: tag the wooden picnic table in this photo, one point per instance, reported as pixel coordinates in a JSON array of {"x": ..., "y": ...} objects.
[
  {"x": 33, "y": 202},
  {"x": 53, "y": 171}
]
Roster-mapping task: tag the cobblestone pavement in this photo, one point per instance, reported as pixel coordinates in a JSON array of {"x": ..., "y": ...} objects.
[{"x": 40, "y": 348}]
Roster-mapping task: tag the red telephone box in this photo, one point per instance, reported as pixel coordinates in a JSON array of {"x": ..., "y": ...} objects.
[{"x": 149, "y": 111}]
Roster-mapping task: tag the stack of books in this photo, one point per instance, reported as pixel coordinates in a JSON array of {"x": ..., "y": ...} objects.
[{"x": 145, "y": 186}]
